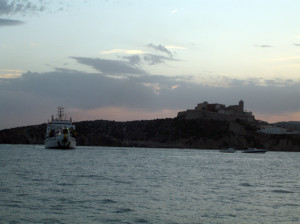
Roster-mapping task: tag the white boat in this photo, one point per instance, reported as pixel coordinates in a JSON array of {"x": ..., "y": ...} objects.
[
  {"x": 254, "y": 150},
  {"x": 61, "y": 133},
  {"x": 229, "y": 150}
]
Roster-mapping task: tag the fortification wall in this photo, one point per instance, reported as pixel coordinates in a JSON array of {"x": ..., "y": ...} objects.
[{"x": 197, "y": 114}]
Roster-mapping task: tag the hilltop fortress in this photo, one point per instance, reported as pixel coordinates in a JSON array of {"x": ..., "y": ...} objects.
[{"x": 217, "y": 111}]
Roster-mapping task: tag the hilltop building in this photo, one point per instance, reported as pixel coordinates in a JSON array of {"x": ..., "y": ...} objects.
[{"x": 217, "y": 111}]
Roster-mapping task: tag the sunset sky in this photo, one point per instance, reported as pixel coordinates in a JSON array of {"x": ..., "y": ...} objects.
[{"x": 140, "y": 59}]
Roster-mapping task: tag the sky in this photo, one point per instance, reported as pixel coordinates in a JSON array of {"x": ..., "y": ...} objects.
[{"x": 139, "y": 59}]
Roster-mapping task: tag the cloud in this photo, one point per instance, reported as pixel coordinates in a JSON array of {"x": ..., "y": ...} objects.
[
  {"x": 148, "y": 93},
  {"x": 134, "y": 59},
  {"x": 292, "y": 58},
  {"x": 298, "y": 45},
  {"x": 153, "y": 59},
  {"x": 150, "y": 59},
  {"x": 161, "y": 48},
  {"x": 23, "y": 7},
  {"x": 95, "y": 93},
  {"x": 82, "y": 90},
  {"x": 174, "y": 47},
  {"x": 264, "y": 46},
  {"x": 111, "y": 67},
  {"x": 174, "y": 11},
  {"x": 10, "y": 22},
  {"x": 10, "y": 73},
  {"x": 13, "y": 7},
  {"x": 125, "y": 51}
]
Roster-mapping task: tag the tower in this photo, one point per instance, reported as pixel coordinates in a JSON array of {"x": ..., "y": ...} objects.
[{"x": 241, "y": 105}]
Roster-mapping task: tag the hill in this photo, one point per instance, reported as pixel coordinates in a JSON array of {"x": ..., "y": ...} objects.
[{"x": 166, "y": 133}]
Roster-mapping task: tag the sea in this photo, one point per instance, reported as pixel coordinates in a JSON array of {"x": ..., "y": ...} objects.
[{"x": 147, "y": 185}]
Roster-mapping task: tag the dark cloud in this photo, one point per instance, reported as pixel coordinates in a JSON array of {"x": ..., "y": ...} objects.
[
  {"x": 111, "y": 67},
  {"x": 44, "y": 91},
  {"x": 151, "y": 59},
  {"x": 92, "y": 90},
  {"x": 161, "y": 48},
  {"x": 10, "y": 22},
  {"x": 13, "y": 7},
  {"x": 133, "y": 60},
  {"x": 298, "y": 45},
  {"x": 81, "y": 90}
]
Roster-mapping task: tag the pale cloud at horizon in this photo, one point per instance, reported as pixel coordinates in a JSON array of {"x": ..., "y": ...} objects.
[
  {"x": 273, "y": 118},
  {"x": 10, "y": 73}
]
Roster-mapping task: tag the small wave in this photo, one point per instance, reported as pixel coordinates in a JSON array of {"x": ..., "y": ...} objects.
[
  {"x": 283, "y": 192},
  {"x": 39, "y": 146},
  {"x": 291, "y": 205},
  {"x": 123, "y": 210},
  {"x": 91, "y": 176},
  {"x": 65, "y": 184},
  {"x": 56, "y": 190},
  {"x": 50, "y": 220},
  {"x": 15, "y": 204},
  {"x": 141, "y": 221},
  {"x": 40, "y": 180},
  {"x": 113, "y": 221},
  {"x": 108, "y": 201},
  {"x": 5, "y": 190},
  {"x": 123, "y": 182},
  {"x": 22, "y": 195},
  {"x": 246, "y": 185}
]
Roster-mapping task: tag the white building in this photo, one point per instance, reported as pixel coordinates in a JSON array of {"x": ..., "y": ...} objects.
[{"x": 276, "y": 131}]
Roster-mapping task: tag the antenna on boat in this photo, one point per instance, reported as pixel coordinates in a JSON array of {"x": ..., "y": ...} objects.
[{"x": 60, "y": 113}]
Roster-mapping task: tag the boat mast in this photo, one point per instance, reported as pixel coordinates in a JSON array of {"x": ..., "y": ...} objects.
[{"x": 60, "y": 113}]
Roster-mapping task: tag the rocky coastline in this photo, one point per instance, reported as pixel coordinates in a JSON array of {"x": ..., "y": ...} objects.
[{"x": 163, "y": 133}]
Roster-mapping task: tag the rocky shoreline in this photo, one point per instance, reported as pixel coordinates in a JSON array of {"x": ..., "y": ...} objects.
[{"x": 163, "y": 133}]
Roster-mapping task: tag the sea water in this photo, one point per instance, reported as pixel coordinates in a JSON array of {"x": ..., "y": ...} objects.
[{"x": 139, "y": 185}]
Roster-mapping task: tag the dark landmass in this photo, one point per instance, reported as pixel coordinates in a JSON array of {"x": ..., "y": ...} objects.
[{"x": 163, "y": 133}]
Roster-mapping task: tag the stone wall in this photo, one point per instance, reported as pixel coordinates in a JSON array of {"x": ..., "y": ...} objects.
[{"x": 202, "y": 114}]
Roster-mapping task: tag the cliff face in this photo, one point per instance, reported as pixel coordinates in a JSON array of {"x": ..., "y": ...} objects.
[
  {"x": 153, "y": 133},
  {"x": 24, "y": 135},
  {"x": 169, "y": 133}
]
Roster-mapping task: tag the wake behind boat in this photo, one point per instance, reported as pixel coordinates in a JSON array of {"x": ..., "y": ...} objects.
[
  {"x": 229, "y": 150},
  {"x": 60, "y": 132},
  {"x": 254, "y": 150}
]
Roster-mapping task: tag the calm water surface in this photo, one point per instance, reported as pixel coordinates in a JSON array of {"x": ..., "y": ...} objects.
[{"x": 138, "y": 185}]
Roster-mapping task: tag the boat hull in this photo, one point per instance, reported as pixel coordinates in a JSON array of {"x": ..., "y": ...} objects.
[{"x": 60, "y": 142}]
